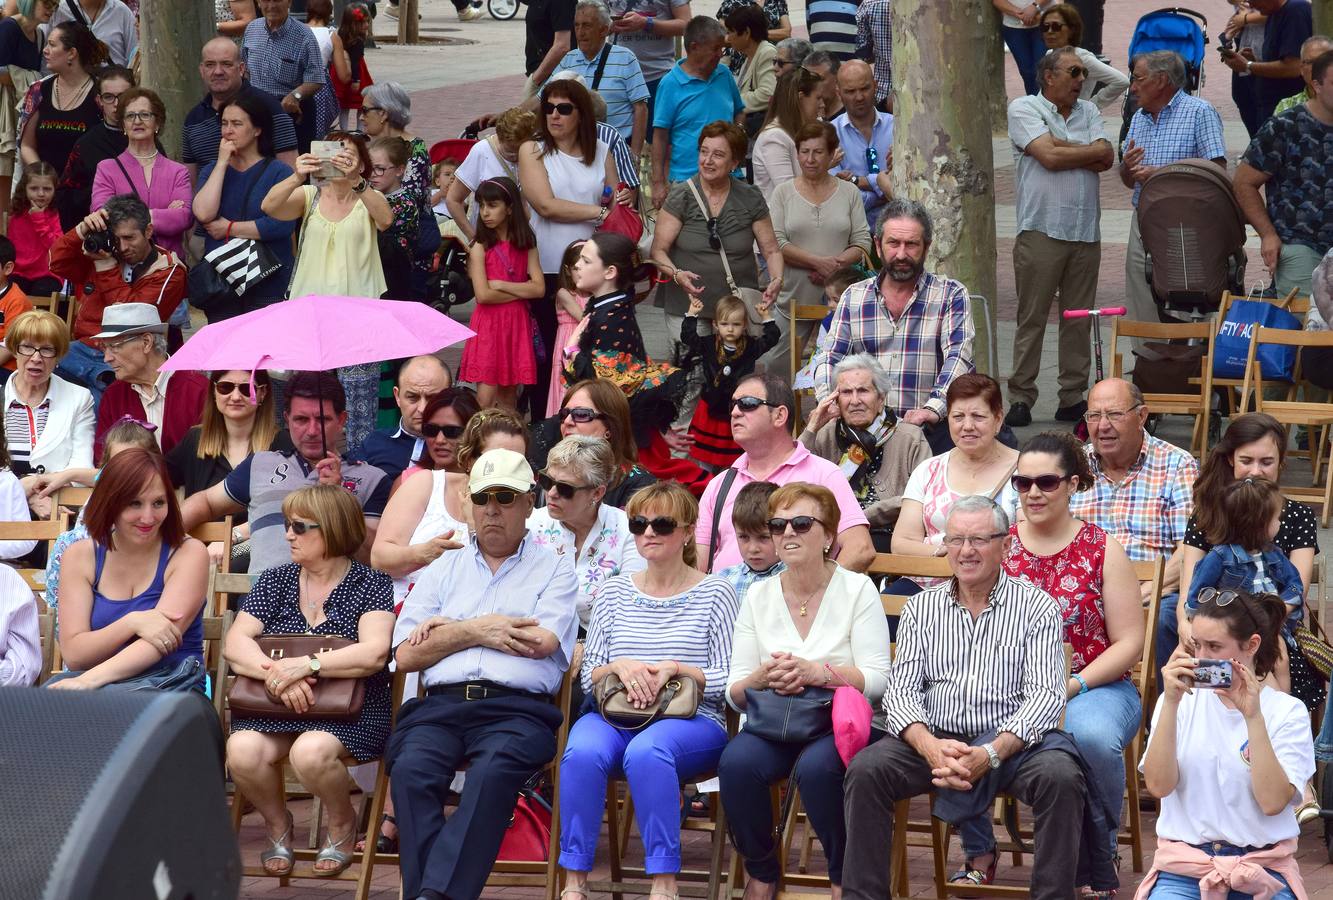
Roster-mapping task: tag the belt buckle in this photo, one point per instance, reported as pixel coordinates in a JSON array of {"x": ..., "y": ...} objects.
[{"x": 469, "y": 688}]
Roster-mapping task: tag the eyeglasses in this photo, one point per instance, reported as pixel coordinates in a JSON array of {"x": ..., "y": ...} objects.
[
  {"x": 750, "y": 404},
  {"x": 297, "y": 527},
  {"x": 224, "y": 388},
  {"x": 377, "y": 171},
  {"x": 139, "y": 116},
  {"x": 502, "y": 497},
  {"x": 580, "y": 414},
  {"x": 1115, "y": 416},
  {"x": 956, "y": 541},
  {"x": 1052, "y": 27},
  {"x": 779, "y": 61},
  {"x": 714, "y": 236},
  {"x": 1045, "y": 483},
  {"x": 799, "y": 524},
  {"x": 109, "y": 98},
  {"x": 43, "y": 352},
  {"x": 115, "y": 346},
  {"x": 370, "y": 109},
  {"x": 872, "y": 160},
  {"x": 431, "y": 431},
  {"x": 565, "y": 109},
  {"x": 662, "y": 525},
  {"x": 1077, "y": 72},
  {"x": 562, "y": 489}
]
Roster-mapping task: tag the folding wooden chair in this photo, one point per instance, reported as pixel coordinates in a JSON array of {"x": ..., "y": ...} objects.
[
  {"x": 1295, "y": 305},
  {"x": 799, "y": 316},
  {"x": 41, "y": 530},
  {"x": 216, "y": 533},
  {"x": 1145, "y": 679},
  {"x": 1197, "y": 404},
  {"x": 47, "y": 303},
  {"x": 46, "y": 627},
  {"x": 215, "y": 632},
  {"x": 71, "y": 499}
]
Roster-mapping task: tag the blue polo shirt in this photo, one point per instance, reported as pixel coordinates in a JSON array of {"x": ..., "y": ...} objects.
[
  {"x": 622, "y": 83},
  {"x": 685, "y": 104}
]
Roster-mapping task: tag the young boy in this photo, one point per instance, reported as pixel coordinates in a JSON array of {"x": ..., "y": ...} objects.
[
  {"x": 749, "y": 516},
  {"x": 13, "y": 301}
]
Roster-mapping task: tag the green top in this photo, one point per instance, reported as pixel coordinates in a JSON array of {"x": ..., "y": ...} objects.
[{"x": 1292, "y": 102}]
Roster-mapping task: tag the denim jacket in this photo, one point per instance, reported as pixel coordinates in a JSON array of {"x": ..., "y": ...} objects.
[{"x": 1228, "y": 566}]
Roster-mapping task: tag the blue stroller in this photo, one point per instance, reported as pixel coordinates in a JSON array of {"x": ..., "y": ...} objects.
[{"x": 1173, "y": 28}]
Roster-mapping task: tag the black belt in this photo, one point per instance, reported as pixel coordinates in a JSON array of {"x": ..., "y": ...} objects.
[{"x": 482, "y": 690}]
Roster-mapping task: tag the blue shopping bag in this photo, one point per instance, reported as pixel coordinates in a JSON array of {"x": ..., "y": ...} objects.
[{"x": 1232, "y": 345}]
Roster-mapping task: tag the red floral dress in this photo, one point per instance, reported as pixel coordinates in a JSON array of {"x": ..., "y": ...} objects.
[{"x": 1074, "y": 578}]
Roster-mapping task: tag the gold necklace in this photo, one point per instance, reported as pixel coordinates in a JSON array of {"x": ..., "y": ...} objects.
[{"x": 804, "y": 604}]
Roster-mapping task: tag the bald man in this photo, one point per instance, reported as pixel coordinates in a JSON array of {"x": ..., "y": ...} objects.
[
  {"x": 866, "y": 137},
  {"x": 420, "y": 380},
  {"x": 224, "y": 77}
]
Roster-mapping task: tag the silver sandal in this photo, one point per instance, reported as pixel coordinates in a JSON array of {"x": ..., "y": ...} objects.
[
  {"x": 332, "y": 853},
  {"x": 279, "y": 849}
]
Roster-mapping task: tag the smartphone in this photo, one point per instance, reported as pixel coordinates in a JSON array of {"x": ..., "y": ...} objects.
[
  {"x": 326, "y": 151},
  {"x": 1213, "y": 673}
]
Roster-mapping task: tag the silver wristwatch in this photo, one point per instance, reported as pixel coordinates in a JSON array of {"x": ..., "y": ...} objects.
[{"x": 994, "y": 757}]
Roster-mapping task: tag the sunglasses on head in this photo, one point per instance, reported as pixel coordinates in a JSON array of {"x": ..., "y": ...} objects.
[
  {"x": 750, "y": 404},
  {"x": 562, "y": 489},
  {"x": 1221, "y": 598},
  {"x": 565, "y": 109},
  {"x": 662, "y": 525},
  {"x": 714, "y": 236},
  {"x": 297, "y": 527},
  {"x": 502, "y": 497},
  {"x": 1045, "y": 483},
  {"x": 430, "y": 431},
  {"x": 224, "y": 388},
  {"x": 580, "y": 414},
  {"x": 799, "y": 524}
]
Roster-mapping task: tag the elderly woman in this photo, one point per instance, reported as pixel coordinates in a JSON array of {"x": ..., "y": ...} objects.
[
  {"x": 143, "y": 170},
  {"x": 795, "y": 103},
  {"x": 1062, "y": 26},
  {"x": 668, "y": 622},
  {"x": 114, "y": 630},
  {"x": 492, "y": 157},
  {"x": 778, "y": 20},
  {"x": 820, "y": 225},
  {"x": 597, "y": 408},
  {"x": 576, "y": 523},
  {"x": 813, "y": 626},
  {"x": 747, "y": 36},
  {"x": 60, "y": 414},
  {"x": 1092, "y": 580},
  {"x": 321, "y": 591},
  {"x": 706, "y": 232},
  {"x": 230, "y": 198},
  {"x": 978, "y": 464},
  {"x": 876, "y": 451}
]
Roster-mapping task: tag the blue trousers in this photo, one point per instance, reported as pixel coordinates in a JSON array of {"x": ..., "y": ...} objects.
[
  {"x": 504, "y": 741},
  {"x": 1026, "y": 47},
  {"x": 1180, "y": 887},
  {"x": 84, "y": 365},
  {"x": 654, "y": 761},
  {"x": 1103, "y": 721},
  {"x": 750, "y": 766}
]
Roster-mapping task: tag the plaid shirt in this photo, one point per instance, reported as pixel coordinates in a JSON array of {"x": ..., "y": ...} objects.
[
  {"x": 1188, "y": 127},
  {"x": 926, "y": 348},
  {"x": 874, "y": 32},
  {"x": 1148, "y": 511}
]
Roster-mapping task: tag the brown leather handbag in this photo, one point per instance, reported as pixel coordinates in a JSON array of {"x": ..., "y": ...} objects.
[
  {"x": 336, "y": 699},
  {"x": 677, "y": 699}
]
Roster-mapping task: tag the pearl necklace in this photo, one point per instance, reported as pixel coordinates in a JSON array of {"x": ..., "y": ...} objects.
[{"x": 152, "y": 155}]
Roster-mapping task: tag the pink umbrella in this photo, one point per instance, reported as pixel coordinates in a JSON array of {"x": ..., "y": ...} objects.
[{"x": 314, "y": 333}]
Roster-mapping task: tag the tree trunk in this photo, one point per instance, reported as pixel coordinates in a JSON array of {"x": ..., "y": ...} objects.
[
  {"x": 941, "y": 147},
  {"x": 173, "y": 35},
  {"x": 408, "y": 27},
  {"x": 992, "y": 61},
  {"x": 1323, "y": 16}
]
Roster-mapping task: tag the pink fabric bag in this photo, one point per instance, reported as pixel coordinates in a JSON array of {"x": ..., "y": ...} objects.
[{"x": 851, "y": 719}]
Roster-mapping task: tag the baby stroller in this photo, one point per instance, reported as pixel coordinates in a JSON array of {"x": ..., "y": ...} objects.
[
  {"x": 1193, "y": 237},
  {"x": 449, "y": 283},
  {"x": 1172, "y": 28}
]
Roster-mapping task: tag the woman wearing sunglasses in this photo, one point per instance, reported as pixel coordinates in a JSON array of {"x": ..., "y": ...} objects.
[
  {"x": 442, "y": 424},
  {"x": 1091, "y": 578},
  {"x": 667, "y": 622},
  {"x": 1062, "y": 26},
  {"x": 815, "y": 625},
  {"x": 1227, "y": 763},
  {"x": 321, "y": 591}
]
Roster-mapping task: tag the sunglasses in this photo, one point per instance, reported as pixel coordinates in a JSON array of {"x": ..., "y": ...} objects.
[
  {"x": 799, "y": 524},
  {"x": 580, "y": 414},
  {"x": 714, "y": 236},
  {"x": 297, "y": 527},
  {"x": 502, "y": 497},
  {"x": 431, "y": 431},
  {"x": 750, "y": 404},
  {"x": 662, "y": 525},
  {"x": 1052, "y": 27},
  {"x": 224, "y": 388},
  {"x": 1221, "y": 598},
  {"x": 562, "y": 489},
  {"x": 1045, "y": 483},
  {"x": 1077, "y": 72},
  {"x": 872, "y": 160},
  {"x": 565, "y": 109}
]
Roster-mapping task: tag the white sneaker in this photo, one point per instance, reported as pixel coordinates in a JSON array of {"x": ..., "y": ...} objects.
[
  {"x": 391, "y": 10},
  {"x": 467, "y": 14}
]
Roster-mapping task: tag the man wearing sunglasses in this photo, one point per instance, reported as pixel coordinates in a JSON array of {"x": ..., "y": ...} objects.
[
  {"x": 491, "y": 629},
  {"x": 762, "y": 410},
  {"x": 1060, "y": 146},
  {"x": 420, "y": 380}
]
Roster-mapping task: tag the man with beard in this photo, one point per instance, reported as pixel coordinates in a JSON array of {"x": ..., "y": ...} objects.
[
  {"x": 917, "y": 324},
  {"x": 876, "y": 452}
]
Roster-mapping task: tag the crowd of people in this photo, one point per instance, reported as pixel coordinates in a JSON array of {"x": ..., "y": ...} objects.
[{"x": 667, "y": 535}]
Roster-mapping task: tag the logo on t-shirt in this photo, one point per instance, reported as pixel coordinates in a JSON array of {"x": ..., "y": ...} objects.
[{"x": 1245, "y": 754}]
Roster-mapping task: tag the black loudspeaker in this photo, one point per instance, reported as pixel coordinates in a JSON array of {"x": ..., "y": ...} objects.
[{"x": 116, "y": 795}]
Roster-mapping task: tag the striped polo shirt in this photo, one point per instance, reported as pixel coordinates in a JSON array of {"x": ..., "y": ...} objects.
[{"x": 622, "y": 83}]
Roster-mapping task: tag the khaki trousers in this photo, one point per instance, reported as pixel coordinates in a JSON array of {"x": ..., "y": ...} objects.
[{"x": 1043, "y": 268}]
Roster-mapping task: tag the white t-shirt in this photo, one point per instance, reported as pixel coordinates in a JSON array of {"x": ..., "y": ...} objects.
[
  {"x": 483, "y": 162},
  {"x": 1015, "y": 22},
  {"x": 1213, "y": 800}
]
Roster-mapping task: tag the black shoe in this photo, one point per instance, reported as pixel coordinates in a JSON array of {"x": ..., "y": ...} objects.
[
  {"x": 1071, "y": 413},
  {"x": 1020, "y": 414}
]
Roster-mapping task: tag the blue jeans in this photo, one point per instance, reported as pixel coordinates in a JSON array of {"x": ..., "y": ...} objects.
[
  {"x": 1323, "y": 742},
  {"x": 1181, "y": 887},
  {"x": 1026, "y": 46},
  {"x": 84, "y": 365},
  {"x": 654, "y": 761},
  {"x": 1103, "y": 721}
]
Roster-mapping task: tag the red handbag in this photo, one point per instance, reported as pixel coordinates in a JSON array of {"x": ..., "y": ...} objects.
[
  {"x": 623, "y": 220},
  {"x": 528, "y": 837}
]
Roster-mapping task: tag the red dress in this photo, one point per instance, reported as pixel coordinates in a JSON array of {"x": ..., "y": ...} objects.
[
  {"x": 1074, "y": 578},
  {"x": 502, "y": 352}
]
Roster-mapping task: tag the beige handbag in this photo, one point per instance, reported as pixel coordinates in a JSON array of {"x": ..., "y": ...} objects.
[{"x": 678, "y": 699}]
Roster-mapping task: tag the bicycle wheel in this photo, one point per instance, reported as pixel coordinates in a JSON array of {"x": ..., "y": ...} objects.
[{"x": 502, "y": 9}]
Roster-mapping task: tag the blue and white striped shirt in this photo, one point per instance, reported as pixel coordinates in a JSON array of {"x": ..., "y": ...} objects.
[
  {"x": 693, "y": 628},
  {"x": 622, "y": 83}
]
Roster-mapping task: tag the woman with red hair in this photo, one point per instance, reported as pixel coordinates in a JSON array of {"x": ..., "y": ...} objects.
[{"x": 132, "y": 594}]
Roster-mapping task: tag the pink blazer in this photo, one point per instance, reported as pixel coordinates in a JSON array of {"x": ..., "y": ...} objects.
[{"x": 171, "y": 181}]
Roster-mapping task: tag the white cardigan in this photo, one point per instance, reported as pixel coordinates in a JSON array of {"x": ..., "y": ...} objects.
[{"x": 67, "y": 440}]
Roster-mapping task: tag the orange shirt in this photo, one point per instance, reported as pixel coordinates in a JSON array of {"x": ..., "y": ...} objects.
[{"x": 13, "y": 302}]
